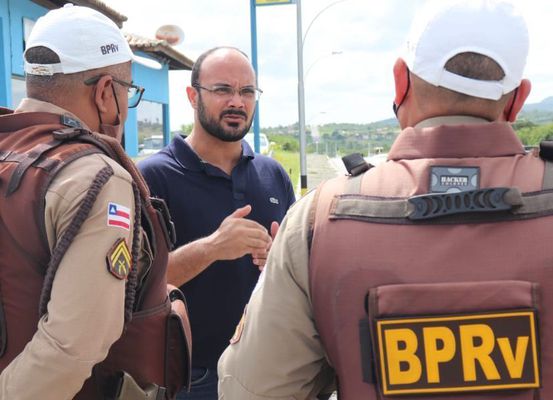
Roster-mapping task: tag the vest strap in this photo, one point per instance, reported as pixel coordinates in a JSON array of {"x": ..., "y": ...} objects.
[
  {"x": 26, "y": 161},
  {"x": 491, "y": 200},
  {"x": 353, "y": 184}
]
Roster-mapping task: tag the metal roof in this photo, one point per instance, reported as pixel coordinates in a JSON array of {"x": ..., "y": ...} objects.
[{"x": 160, "y": 50}]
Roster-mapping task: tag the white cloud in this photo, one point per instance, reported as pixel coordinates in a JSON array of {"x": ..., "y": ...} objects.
[{"x": 355, "y": 86}]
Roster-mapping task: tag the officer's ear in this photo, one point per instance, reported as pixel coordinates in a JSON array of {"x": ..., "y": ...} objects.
[
  {"x": 103, "y": 93},
  {"x": 515, "y": 103},
  {"x": 401, "y": 81},
  {"x": 192, "y": 94}
]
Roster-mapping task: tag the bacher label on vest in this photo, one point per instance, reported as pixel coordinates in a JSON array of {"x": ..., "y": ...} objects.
[
  {"x": 461, "y": 353},
  {"x": 454, "y": 179}
]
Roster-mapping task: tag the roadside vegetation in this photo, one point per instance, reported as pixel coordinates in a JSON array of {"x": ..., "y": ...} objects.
[{"x": 534, "y": 124}]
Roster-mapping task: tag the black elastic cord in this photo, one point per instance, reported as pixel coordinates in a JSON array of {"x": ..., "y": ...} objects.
[{"x": 116, "y": 104}]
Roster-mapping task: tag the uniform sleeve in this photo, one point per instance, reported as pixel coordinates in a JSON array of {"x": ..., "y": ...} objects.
[
  {"x": 86, "y": 311},
  {"x": 278, "y": 353}
]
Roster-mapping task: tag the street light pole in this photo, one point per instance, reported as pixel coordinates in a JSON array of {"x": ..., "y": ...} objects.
[
  {"x": 308, "y": 70},
  {"x": 253, "y": 23},
  {"x": 301, "y": 90},
  {"x": 301, "y": 104}
]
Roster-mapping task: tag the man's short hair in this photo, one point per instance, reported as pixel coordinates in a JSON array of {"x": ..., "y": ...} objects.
[{"x": 195, "y": 76}]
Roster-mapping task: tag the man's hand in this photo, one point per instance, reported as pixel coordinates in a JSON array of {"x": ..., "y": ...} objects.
[
  {"x": 260, "y": 259},
  {"x": 237, "y": 236}
]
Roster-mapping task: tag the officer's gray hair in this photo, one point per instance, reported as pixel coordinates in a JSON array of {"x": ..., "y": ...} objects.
[{"x": 52, "y": 88}]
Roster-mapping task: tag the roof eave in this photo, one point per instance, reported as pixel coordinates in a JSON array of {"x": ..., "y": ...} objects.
[{"x": 97, "y": 5}]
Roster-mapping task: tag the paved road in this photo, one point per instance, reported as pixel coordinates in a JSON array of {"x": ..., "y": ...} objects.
[{"x": 321, "y": 168}]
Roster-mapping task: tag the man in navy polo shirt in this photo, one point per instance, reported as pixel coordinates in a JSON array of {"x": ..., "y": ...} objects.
[{"x": 226, "y": 203}]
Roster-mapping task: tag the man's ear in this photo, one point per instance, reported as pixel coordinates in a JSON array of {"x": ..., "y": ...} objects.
[
  {"x": 515, "y": 103},
  {"x": 103, "y": 93},
  {"x": 401, "y": 80},
  {"x": 192, "y": 94}
]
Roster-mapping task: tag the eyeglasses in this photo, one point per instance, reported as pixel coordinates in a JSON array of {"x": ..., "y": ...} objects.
[
  {"x": 134, "y": 92},
  {"x": 248, "y": 93}
]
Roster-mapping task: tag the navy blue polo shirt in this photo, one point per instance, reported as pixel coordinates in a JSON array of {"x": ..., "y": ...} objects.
[{"x": 199, "y": 196}]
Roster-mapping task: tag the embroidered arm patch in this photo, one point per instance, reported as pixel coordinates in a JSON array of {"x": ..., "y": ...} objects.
[{"x": 119, "y": 259}]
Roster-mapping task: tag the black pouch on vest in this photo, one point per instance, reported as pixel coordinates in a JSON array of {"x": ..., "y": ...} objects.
[
  {"x": 178, "y": 351},
  {"x": 464, "y": 340},
  {"x": 166, "y": 223}
]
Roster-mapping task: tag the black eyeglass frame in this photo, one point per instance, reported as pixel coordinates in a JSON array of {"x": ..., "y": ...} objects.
[
  {"x": 139, "y": 89},
  {"x": 257, "y": 91}
]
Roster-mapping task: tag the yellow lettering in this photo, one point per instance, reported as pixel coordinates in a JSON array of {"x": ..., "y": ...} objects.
[
  {"x": 397, "y": 356},
  {"x": 472, "y": 353},
  {"x": 514, "y": 363},
  {"x": 433, "y": 355}
]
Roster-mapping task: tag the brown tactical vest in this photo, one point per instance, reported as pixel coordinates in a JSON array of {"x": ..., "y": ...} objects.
[
  {"x": 435, "y": 296},
  {"x": 155, "y": 347}
]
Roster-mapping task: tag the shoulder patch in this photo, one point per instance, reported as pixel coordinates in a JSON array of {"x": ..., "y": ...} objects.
[
  {"x": 119, "y": 259},
  {"x": 239, "y": 328},
  {"x": 119, "y": 216}
]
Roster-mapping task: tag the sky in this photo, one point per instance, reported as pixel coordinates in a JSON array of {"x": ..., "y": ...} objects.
[{"x": 348, "y": 51}]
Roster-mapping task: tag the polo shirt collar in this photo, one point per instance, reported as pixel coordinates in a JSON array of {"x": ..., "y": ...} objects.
[
  {"x": 456, "y": 137},
  {"x": 189, "y": 160}
]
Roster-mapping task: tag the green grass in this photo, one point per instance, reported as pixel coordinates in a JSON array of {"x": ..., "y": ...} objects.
[{"x": 290, "y": 161}]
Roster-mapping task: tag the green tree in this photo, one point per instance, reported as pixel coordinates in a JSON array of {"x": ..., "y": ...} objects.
[{"x": 533, "y": 135}]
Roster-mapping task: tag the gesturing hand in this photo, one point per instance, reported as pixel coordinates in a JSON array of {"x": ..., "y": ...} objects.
[
  {"x": 238, "y": 236},
  {"x": 260, "y": 258}
]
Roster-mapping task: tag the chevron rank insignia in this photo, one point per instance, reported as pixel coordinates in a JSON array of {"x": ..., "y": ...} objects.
[{"x": 119, "y": 259}]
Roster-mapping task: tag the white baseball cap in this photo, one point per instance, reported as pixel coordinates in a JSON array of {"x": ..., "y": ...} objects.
[
  {"x": 83, "y": 39},
  {"x": 491, "y": 28}
]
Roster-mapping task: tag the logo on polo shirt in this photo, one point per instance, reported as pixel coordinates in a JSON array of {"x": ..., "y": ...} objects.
[
  {"x": 273, "y": 200},
  {"x": 109, "y": 48}
]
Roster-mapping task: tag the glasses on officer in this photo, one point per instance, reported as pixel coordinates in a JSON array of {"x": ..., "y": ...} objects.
[
  {"x": 134, "y": 92},
  {"x": 226, "y": 92}
]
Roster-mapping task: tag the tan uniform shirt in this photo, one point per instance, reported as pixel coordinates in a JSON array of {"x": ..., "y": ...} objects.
[
  {"x": 279, "y": 354},
  {"x": 86, "y": 310}
]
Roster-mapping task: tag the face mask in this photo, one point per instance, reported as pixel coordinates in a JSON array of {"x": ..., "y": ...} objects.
[{"x": 115, "y": 131}]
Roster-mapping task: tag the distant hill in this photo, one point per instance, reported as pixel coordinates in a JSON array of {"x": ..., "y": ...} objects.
[
  {"x": 544, "y": 105},
  {"x": 538, "y": 113}
]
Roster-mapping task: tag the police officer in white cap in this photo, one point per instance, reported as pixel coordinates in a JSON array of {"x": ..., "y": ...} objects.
[
  {"x": 429, "y": 275},
  {"x": 77, "y": 267}
]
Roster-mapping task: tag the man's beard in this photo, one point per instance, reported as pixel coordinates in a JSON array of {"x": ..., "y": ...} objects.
[{"x": 216, "y": 129}]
